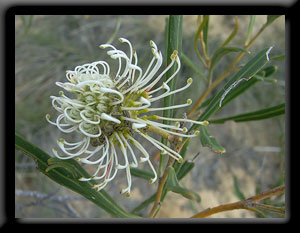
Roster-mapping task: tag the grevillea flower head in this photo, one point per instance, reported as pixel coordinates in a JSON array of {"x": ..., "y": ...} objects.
[{"x": 107, "y": 111}]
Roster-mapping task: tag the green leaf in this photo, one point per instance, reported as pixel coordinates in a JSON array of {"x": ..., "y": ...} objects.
[
  {"x": 191, "y": 65},
  {"x": 144, "y": 204},
  {"x": 243, "y": 87},
  {"x": 258, "y": 212},
  {"x": 278, "y": 58},
  {"x": 209, "y": 141},
  {"x": 261, "y": 114},
  {"x": 250, "y": 28},
  {"x": 172, "y": 184},
  {"x": 233, "y": 33},
  {"x": 62, "y": 164},
  {"x": 249, "y": 70},
  {"x": 265, "y": 79},
  {"x": 240, "y": 89},
  {"x": 181, "y": 171},
  {"x": 205, "y": 34},
  {"x": 197, "y": 36},
  {"x": 186, "y": 167},
  {"x": 66, "y": 173},
  {"x": 141, "y": 173},
  {"x": 271, "y": 19},
  {"x": 234, "y": 93},
  {"x": 173, "y": 42},
  {"x": 237, "y": 191},
  {"x": 176, "y": 164},
  {"x": 268, "y": 71},
  {"x": 221, "y": 52},
  {"x": 269, "y": 209}
]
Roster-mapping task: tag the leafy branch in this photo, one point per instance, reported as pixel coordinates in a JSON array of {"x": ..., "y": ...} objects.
[
  {"x": 67, "y": 173},
  {"x": 227, "y": 71},
  {"x": 250, "y": 204}
]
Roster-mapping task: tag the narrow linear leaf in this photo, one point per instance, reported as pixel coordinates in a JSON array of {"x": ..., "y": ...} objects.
[
  {"x": 221, "y": 52},
  {"x": 258, "y": 212},
  {"x": 173, "y": 42},
  {"x": 265, "y": 79},
  {"x": 261, "y": 114},
  {"x": 268, "y": 71},
  {"x": 166, "y": 34},
  {"x": 66, "y": 178},
  {"x": 270, "y": 209},
  {"x": 233, "y": 33},
  {"x": 205, "y": 34},
  {"x": 191, "y": 65},
  {"x": 185, "y": 192},
  {"x": 144, "y": 204},
  {"x": 234, "y": 93},
  {"x": 63, "y": 165},
  {"x": 271, "y": 19},
  {"x": 144, "y": 174},
  {"x": 186, "y": 167},
  {"x": 177, "y": 167},
  {"x": 245, "y": 85},
  {"x": 237, "y": 191},
  {"x": 278, "y": 58},
  {"x": 250, "y": 28},
  {"x": 209, "y": 141},
  {"x": 176, "y": 164},
  {"x": 249, "y": 70},
  {"x": 240, "y": 89},
  {"x": 201, "y": 25},
  {"x": 172, "y": 184},
  {"x": 149, "y": 200}
]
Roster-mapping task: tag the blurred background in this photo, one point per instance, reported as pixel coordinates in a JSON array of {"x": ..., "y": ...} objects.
[{"x": 47, "y": 46}]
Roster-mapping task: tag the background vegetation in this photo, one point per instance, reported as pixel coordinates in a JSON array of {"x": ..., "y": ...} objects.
[{"x": 47, "y": 46}]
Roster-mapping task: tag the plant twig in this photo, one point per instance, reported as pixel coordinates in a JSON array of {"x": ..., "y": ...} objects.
[
  {"x": 244, "y": 204},
  {"x": 224, "y": 74},
  {"x": 161, "y": 185},
  {"x": 177, "y": 145}
]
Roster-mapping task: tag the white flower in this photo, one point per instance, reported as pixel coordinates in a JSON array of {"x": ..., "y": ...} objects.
[{"x": 108, "y": 109}]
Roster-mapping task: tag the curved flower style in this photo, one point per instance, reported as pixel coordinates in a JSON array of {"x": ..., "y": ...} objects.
[{"x": 108, "y": 110}]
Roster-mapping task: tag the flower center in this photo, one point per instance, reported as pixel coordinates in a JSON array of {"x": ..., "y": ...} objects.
[{"x": 102, "y": 112}]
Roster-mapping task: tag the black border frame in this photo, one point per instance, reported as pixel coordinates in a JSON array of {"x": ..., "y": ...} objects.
[{"x": 129, "y": 9}]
